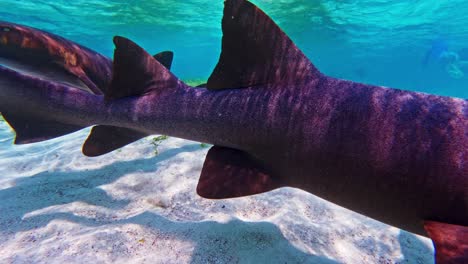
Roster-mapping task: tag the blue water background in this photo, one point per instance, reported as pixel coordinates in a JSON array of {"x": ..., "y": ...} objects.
[{"x": 383, "y": 42}]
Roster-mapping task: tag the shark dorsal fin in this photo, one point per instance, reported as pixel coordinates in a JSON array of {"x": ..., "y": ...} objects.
[
  {"x": 255, "y": 51},
  {"x": 135, "y": 72},
  {"x": 165, "y": 58},
  {"x": 104, "y": 139}
]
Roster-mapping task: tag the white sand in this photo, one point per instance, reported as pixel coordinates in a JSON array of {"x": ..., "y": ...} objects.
[{"x": 130, "y": 206}]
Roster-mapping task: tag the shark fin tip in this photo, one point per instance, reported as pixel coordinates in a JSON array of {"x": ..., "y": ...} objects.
[{"x": 229, "y": 173}]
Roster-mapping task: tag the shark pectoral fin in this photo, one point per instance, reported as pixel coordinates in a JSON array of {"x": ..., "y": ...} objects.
[
  {"x": 135, "y": 72},
  {"x": 229, "y": 173},
  {"x": 450, "y": 242},
  {"x": 104, "y": 139},
  {"x": 33, "y": 129},
  {"x": 255, "y": 51},
  {"x": 165, "y": 58}
]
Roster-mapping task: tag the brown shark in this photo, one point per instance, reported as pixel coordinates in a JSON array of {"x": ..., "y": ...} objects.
[{"x": 275, "y": 120}]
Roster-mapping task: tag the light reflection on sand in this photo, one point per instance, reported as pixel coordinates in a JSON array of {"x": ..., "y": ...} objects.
[{"x": 133, "y": 206}]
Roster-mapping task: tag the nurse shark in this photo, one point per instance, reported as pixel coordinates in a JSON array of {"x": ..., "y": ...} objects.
[
  {"x": 50, "y": 56},
  {"x": 275, "y": 120},
  {"x": 47, "y": 56}
]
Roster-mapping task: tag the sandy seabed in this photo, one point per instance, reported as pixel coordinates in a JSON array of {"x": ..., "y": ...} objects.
[{"x": 132, "y": 206}]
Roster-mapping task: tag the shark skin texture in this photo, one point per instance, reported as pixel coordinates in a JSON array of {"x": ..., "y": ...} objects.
[
  {"x": 47, "y": 56},
  {"x": 274, "y": 120},
  {"x": 43, "y": 55}
]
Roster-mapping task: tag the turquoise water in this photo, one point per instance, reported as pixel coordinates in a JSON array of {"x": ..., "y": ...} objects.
[{"x": 373, "y": 41}]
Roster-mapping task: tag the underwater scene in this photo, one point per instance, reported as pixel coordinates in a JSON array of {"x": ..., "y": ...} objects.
[
  {"x": 397, "y": 44},
  {"x": 210, "y": 131}
]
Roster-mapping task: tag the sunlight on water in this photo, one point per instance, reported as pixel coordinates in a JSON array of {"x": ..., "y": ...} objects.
[{"x": 381, "y": 42}]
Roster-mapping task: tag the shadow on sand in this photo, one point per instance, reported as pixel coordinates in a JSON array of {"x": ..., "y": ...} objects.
[
  {"x": 48, "y": 189},
  {"x": 234, "y": 241},
  {"x": 231, "y": 242}
]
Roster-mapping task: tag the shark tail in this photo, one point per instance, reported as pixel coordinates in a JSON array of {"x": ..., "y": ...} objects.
[
  {"x": 30, "y": 128},
  {"x": 104, "y": 139}
]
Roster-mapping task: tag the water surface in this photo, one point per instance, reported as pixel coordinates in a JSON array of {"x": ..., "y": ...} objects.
[{"x": 374, "y": 41}]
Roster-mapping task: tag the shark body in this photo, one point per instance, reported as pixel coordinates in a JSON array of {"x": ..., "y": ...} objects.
[
  {"x": 275, "y": 120},
  {"x": 45, "y": 56}
]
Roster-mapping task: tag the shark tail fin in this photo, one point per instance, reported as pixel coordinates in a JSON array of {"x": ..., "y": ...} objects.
[
  {"x": 30, "y": 125},
  {"x": 32, "y": 129},
  {"x": 450, "y": 242},
  {"x": 104, "y": 139}
]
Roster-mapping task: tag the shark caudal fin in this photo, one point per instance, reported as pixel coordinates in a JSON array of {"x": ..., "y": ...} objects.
[
  {"x": 255, "y": 51},
  {"x": 29, "y": 125},
  {"x": 30, "y": 128},
  {"x": 133, "y": 69},
  {"x": 450, "y": 242}
]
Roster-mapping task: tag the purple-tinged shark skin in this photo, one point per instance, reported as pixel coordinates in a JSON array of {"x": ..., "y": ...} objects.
[
  {"x": 275, "y": 120},
  {"x": 44, "y": 55}
]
